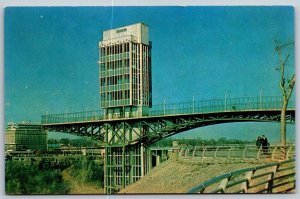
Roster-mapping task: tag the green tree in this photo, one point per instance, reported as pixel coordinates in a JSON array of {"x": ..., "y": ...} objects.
[{"x": 64, "y": 141}]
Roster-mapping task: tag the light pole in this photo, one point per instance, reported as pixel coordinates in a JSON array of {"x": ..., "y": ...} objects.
[
  {"x": 260, "y": 98},
  {"x": 46, "y": 117},
  {"x": 67, "y": 116},
  {"x": 164, "y": 106},
  {"x": 86, "y": 113},
  {"x": 225, "y": 100},
  {"x": 193, "y": 104},
  {"x": 194, "y": 101}
]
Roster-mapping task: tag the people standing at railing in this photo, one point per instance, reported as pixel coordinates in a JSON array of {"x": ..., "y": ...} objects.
[
  {"x": 264, "y": 144},
  {"x": 258, "y": 142}
]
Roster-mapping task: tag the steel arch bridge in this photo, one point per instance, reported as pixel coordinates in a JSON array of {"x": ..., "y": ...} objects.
[
  {"x": 150, "y": 129},
  {"x": 126, "y": 139}
]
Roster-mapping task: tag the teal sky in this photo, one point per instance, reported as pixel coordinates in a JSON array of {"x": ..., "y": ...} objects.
[{"x": 51, "y": 55}]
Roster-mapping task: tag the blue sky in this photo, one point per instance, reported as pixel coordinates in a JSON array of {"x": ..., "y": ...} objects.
[{"x": 51, "y": 55}]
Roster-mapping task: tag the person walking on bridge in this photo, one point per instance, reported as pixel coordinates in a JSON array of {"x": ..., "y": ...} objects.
[
  {"x": 264, "y": 144},
  {"x": 258, "y": 142}
]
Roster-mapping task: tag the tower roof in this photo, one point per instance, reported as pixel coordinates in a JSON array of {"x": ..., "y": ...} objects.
[{"x": 137, "y": 32}]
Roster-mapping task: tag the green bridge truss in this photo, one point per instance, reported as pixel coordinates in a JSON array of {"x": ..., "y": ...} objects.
[{"x": 126, "y": 139}]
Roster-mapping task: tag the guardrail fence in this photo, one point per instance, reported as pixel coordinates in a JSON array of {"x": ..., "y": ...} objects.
[
  {"x": 190, "y": 107},
  {"x": 236, "y": 152},
  {"x": 277, "y": 177}
]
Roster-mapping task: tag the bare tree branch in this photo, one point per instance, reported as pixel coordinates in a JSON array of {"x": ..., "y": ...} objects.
[
  {"x": 291, "y": 87},
  {"x": 286, "y": 59},
  {"x": 282, "y": 66}
]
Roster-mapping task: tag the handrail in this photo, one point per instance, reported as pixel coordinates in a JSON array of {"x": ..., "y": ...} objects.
[
  {"x": 276, "y": 177},
  {"x": 239, "y": 152},
  {"x": 190, "y": 107}
]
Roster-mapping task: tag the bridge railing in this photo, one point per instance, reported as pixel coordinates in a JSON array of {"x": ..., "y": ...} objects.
[
  {"x": 220, "y": 105},
  {"x": 238, "y": 152},
  {"x": 191, "y": 107},
  {"x": 277, "y": 177},
  {"x": 73, "y": 117}
]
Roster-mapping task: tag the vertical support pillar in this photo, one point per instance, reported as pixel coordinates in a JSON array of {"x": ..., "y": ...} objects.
[
  {"x": 149, "y": 160},
  {"x": 157, "y": 158},
  {"x": 117, "y": 174},
  {"x": 131, "y": 161},
  {"x": 105, "y": 170},
  {"x": 123, "y": 167},
  {"x": 142, "y": 160}
]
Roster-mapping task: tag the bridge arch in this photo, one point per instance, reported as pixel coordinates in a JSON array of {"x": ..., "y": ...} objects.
[
  {"x": 126, "y": 139},
  {"x": 148, "y": 130}
]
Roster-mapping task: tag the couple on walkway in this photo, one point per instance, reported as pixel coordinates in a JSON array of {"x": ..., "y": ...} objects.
[{"x": 262, "y": 142}]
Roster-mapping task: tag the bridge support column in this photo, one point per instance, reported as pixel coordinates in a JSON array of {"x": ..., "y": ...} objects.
[
  {"x": 157, "y": 159},
  {"x": 124, "y": 165}
]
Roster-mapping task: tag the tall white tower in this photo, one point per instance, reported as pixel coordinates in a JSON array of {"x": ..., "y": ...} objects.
[{"x": 125, "y": 71}]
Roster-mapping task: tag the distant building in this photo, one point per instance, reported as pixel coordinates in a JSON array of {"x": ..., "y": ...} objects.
[
  {"x": 25, "y": 136},
  {"x": 92, "y": 151},
  {"x": 125, "y": 71}
]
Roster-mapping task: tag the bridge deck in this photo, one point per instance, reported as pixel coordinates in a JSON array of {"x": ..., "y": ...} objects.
[{"x": 204, "y": 107}]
